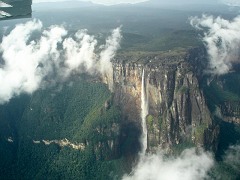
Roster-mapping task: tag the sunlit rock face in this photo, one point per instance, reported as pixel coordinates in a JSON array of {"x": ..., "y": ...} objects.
[
  {"x": 231, "y": 112},
  {"x": 178, "y": 113}
]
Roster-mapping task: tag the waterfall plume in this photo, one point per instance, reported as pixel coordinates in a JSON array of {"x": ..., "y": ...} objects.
[{"x": 144, "y": 113}]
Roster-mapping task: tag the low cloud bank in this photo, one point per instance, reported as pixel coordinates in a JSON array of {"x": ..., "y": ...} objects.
[
  {"x": 191, "y": 164},
  {"x": 222, "y": 40},
  {"x": 232, "y": 157},
  {"x": 30, "y": 53}
]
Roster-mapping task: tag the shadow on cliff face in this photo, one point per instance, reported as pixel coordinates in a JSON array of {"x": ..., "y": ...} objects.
[
  {"x": 229, "y": 135},
  {"x": 129, "y": 140},
  {"x": 222, "y": 94}
]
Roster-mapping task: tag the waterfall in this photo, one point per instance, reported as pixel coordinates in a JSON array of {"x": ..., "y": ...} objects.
[{"x": 144, "y": 113}]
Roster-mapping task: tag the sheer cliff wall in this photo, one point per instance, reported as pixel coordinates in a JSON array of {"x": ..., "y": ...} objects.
[{"x": 178, "y": 113}]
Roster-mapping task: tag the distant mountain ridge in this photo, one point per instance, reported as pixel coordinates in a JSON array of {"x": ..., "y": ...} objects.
[
  {"x": 176, "y": 2},
  {"x": 64, "y": 5}
]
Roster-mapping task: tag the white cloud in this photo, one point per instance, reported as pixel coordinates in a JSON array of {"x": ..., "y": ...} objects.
[
  {"x": 231, "y": 2},
  {"x": 27, "y": 60},
  {"x": 191, "y": 164},
  {"x": 21, "y": 73},
  {"x": 80, "y": 51},
  {"x": 232, "y": 157},
  {"x": 109, "y": 49},
  {"x": 222, "y": 40}
]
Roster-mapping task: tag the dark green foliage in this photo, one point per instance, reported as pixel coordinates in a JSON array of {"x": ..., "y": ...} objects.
[
  {"x": 199, "y": 132},
  {"x": 179, "y": 148},
  {"x": 74, "y": 110},
  {"x": 225, "y": 170},
  {"x": 224, "y": 91},
  {"x": 10, "y": 114},
  {"x": 150, "y": 121},
  {"x": 225, "y": 88},
  {"x": 183, "y": 89},
  {"x": 58, "y": 112},
  {"x": 229, "y": 135}
]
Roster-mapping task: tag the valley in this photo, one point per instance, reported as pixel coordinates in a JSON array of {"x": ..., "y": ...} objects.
[{"x": 152, "y": 101}]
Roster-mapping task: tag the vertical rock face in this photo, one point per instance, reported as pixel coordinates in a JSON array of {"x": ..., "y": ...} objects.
[
  {"x": 231, "y": 111},
  {"x": 127, "y": 95},
  {"x": 178, "y": 113}
]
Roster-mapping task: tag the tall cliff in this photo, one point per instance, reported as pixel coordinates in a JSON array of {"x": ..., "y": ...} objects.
[{"x": 178, "y": 114}]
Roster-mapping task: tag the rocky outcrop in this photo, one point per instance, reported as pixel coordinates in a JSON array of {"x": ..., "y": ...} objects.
[
  {"x": 177, "y": 108},
  {"x": 231, "y": 111}
]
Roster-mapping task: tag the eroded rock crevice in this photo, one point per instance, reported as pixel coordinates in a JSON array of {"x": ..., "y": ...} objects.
[{"x": 178, "y": 113}]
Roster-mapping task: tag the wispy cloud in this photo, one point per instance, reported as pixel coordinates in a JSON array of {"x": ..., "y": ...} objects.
[
  {"x": 222, "y": 40},
  {"x": 232, "y": 157},
  {"x": 30, "y": 53},
  {"x": 191, "y": 164}
]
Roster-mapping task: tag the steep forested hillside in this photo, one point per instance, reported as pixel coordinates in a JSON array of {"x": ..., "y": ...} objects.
[{"x": 78, "y": 112}]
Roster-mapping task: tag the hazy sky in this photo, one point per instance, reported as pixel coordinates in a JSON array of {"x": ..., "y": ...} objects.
[
  {"x": 232, "y": 2},
  {"x": 111, "y": 2},
  {"x": 106, "y": 2}
]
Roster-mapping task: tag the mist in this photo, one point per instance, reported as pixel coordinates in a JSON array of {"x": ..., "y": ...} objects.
[
  {"x": 30, "y": 54},
  {"x": 222, "y": 39},
  {"x": 191, "y": 164},
  {"x": 232, "y": 157}
]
